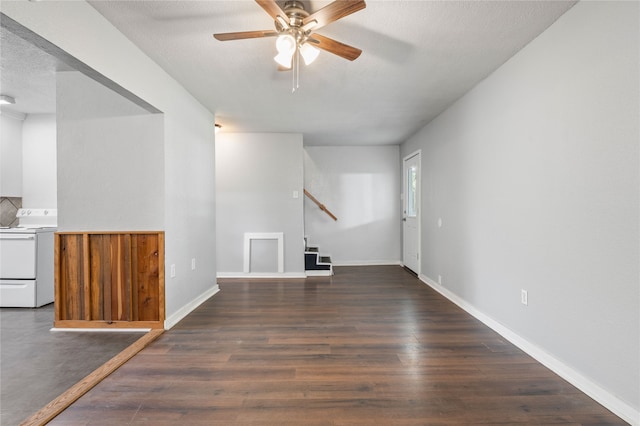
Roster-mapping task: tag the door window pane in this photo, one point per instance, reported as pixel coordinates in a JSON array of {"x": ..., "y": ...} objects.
[{"x": 412, "y": 176}]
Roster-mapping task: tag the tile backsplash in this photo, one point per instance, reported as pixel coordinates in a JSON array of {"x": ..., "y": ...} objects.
[{"x": 8, "y": 209}]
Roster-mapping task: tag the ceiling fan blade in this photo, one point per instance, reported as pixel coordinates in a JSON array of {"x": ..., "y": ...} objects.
[
  {"x": 245, "y": 34},
  {"x": 272, "y": 8},
  {"x": 332, "y": 46},
  {"x": 334, "y": 11}
]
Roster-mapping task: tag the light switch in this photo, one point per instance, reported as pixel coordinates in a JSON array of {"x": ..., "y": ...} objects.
[{"x": 295, "y": 194}]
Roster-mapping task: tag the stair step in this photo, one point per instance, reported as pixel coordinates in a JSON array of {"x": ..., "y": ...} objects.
[
  {"x": 314, "y": 263},
  {"x": 311, "y": 263}
]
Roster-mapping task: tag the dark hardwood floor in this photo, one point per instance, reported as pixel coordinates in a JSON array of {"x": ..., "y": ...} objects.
[
  {"x": 37, "y": 365},
  {"x": 368, "y": 346}
]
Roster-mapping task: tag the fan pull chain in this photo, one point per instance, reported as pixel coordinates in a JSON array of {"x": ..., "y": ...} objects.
[{"x": 295, "y": 75}]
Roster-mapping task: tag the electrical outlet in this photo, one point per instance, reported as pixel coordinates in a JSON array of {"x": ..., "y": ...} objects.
[
  {"x": 440, "y": 279},
  {"x": 193, "y": 264},
  {"x": 524, "y": 297},
  {"x": 173, "y": 271}
]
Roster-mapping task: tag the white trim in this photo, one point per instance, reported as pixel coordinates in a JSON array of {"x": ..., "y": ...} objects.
[
  {"x": 102, "y": 330},
  {"x": 260, "y": 275},
  {"x": 413, "y": 154},
  {"x": 248, "y": 236},
  {"x": 368, "y": 263},
  {"x": 319, "y": 273},
  {"x": 189, "y": 307},
  {"x": 577, "y": 379}
]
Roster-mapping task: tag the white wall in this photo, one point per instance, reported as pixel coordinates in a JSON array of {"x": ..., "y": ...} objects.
[
  {"x": 39, "y": 181},
  {"x": 256, "y": 175},
  {"x": 535, "y": 175},
  {"x": 361, "y": 186},
  {"x": 110, "y": 158},
  {"x": 190, "y": 203},
  {"x": 10, "y": 156},
  {"x": 189, "y": 150},
  {"x": 28, "y": 156}
]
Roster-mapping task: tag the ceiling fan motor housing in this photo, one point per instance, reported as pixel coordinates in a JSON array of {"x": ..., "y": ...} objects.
[{"x": 295, "y": 12}]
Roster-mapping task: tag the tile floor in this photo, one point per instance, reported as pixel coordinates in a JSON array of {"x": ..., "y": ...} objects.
[{"x": 37, "y": 365}]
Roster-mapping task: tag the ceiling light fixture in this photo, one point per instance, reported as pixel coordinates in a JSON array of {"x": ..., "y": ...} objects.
[
  {"x": 293, "y": 40},
  {"x": 218, "y": 127},
  {"x": 286, "y": 46},
  {"x": 291, "y": 44},
  {"x": 309, "y": 53},
  {"x": 7, "y": 100}
]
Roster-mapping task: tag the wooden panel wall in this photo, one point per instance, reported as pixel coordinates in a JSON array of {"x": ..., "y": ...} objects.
[{"x": 109, "y": 279}]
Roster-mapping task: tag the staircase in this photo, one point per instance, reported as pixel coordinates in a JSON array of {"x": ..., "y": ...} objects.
[{"x": 315, "y": 264}]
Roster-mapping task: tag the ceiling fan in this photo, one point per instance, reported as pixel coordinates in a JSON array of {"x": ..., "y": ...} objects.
[{"x": 295, "y": 30}]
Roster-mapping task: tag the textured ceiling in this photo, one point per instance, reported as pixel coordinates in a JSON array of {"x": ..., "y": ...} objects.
[
  {"x": 418, "y": 58},
  {"x": 26, "y": 74}
]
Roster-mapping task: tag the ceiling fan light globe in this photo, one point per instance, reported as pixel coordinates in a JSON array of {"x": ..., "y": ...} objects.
[
  {"x": 286, "y": 44},
  {"x": 284, "y": 59},
  {"x": 309, "y": 53}
]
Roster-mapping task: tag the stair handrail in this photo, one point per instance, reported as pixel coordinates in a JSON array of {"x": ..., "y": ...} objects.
[{"x": 322, "y": 206}]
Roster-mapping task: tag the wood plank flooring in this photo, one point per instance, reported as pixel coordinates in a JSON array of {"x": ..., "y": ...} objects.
[
  {"x": 368, "y": 346},
  {"x": 37, "y": 365},
  {"x": 59, "y": 404}
]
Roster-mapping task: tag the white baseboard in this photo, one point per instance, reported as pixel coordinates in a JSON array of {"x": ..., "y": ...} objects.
[
  {"x": 319, "y": 273},
  {"x": 367, "y": 263},
  {"x": 586, "y": 385},
  {"x": 261, "y": 275},
  {"x": 186, "y": 309}
]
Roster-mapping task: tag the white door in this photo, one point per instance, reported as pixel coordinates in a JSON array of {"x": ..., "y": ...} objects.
[{"x": 411, "y": 212}]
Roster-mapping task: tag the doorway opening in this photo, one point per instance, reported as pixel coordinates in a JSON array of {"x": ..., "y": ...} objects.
[{"x": 411, "y": 212}]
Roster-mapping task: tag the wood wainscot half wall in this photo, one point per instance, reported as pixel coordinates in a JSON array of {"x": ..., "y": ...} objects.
[{"x": 109, "y": 279}]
